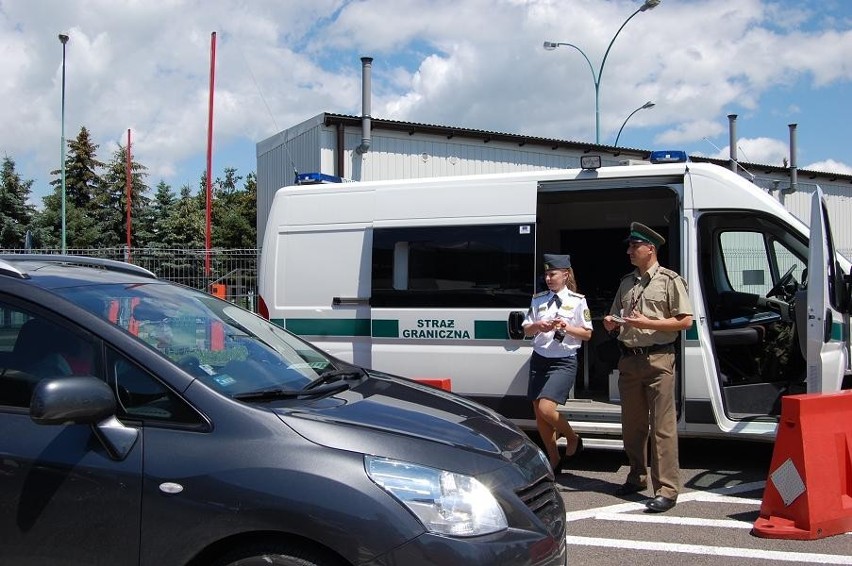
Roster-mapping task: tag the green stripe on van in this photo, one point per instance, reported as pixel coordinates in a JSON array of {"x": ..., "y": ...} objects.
[
  {"x": 328, "y": 326},
  {"x": 837, "y": 331},
  {"x": 378, "y": 328},
  {"x": 692, "y": 332},
  {"x": 490, "y": 330},
  {"x": 385, "y": 328}
]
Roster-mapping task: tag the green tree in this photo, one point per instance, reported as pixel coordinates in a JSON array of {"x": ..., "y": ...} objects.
[
  {"x": 234, "y": 223},
  {"x": 184, "y": 226},
  {"x": 82, "y": 182},
  {"x": 16, "y": 216},
  {"x": 109, "y": 203},
  {"x": 159, "y": 212}
]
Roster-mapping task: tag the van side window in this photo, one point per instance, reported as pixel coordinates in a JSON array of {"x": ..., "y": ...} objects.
[
  {"x": 453, "y": 266},
  {"x": 753, "y": 263}
]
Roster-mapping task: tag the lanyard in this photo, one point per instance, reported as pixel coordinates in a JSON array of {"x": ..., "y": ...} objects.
[{"x": 634, "y": 298}]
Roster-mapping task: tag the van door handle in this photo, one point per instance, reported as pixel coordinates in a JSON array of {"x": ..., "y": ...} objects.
[{"x": 515, "y": 325}]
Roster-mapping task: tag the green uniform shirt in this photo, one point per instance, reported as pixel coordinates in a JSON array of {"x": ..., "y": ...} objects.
[{"x": 660, "y": 293}]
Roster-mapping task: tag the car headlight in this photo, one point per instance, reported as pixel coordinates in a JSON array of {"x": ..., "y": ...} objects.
[{"x": 445, "y": 502}]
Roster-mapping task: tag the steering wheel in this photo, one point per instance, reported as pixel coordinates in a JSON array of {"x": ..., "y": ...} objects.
[{"x": 782, "y": 283}]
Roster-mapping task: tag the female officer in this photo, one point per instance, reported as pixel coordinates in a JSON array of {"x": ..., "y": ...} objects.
[{"x": 559, "y": 320}]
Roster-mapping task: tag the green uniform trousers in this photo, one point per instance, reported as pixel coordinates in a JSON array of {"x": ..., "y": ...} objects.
[{"x": 646, "y": 385}]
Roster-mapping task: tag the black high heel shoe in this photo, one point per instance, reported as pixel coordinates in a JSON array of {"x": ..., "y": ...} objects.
[{"x": 578, "y": 449}]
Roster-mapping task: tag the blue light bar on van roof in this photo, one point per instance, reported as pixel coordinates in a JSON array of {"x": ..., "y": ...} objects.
[
  {"x": 316, "y": 179},
  {"x": 668, "y": 156}
]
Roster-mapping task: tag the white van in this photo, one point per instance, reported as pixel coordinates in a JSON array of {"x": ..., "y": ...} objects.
[{"x": 431, "y": 279}]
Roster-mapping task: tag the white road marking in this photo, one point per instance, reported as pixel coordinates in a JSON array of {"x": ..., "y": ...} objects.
[
  {"x": 689, "y": 521},
  {"x": 706, "y": 550},
  {"x": 713, "y": 495},
  {"x": 622, "y": 512}
]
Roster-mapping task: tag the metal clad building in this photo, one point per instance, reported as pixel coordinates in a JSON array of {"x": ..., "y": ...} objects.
[{"x": 333, "y": 144}]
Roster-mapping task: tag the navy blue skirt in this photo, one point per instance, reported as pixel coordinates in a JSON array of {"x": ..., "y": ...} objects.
[{"x": 551, "y": 378}]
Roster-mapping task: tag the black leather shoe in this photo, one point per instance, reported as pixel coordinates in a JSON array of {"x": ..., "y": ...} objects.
[
  {"x": 660, "y": 504},
  {"x": 629, "y": 488}
]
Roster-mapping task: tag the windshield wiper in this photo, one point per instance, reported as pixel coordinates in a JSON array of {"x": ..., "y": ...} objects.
[
  {"x": 268, "y": 394},
  {"x": 327, "y": 377}
]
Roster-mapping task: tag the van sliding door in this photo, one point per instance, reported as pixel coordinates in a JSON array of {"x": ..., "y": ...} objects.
[{"x": 440, "y": 301}]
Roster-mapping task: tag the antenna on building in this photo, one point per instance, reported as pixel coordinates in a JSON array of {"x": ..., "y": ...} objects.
[
  {"x": 737, "y": 163},
  {"x": 271, "y": 115}
]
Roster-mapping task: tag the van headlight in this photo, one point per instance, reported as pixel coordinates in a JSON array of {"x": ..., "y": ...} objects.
[{"x": 445, "y": 502}]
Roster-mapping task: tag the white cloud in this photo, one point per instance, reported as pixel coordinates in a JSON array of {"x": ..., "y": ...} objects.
[
  {"x": 830, "y": 166},
  {"x": 471, "y": 63}
]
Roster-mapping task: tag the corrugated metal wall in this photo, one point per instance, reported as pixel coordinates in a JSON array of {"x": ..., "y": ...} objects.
[
  {"x": 278, "y": 159},
  {"x": 396, "y": 155},
  {"x": 312, "y": 147}
]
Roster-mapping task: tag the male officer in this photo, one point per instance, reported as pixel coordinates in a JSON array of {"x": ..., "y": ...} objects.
[{"x": 650, "y": 308}]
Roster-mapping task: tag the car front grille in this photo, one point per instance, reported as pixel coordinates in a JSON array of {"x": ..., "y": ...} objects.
[{"x": 545, "y": 502}]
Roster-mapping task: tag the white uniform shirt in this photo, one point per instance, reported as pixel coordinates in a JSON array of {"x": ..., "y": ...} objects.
[{"x": 573, "y": 309}]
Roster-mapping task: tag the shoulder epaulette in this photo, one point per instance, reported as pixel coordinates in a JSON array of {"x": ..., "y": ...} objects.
[
  {"x": 631, "y": 274},
  {"x": 669, "y": 273},
  {"x": 575, "y": 294},
  {"x": 540, "y": 294}
]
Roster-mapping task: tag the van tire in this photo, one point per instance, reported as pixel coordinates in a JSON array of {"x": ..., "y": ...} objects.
[{"x": 278, "y": 555}]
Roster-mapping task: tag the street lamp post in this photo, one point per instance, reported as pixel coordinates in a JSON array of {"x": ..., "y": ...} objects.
[
  {"x": 648, "y": 104},
  {"x": 596, "y": 77},
  {"x": 63, "y": 39}
]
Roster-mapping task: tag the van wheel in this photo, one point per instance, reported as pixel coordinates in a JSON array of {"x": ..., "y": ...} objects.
[{"x": 277, "y": 555}]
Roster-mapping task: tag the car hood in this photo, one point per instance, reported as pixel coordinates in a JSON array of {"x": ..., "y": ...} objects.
[{"x": 398, "y": 418}]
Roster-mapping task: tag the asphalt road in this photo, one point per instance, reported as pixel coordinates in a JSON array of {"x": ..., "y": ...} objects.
[{"x": 723, "y": 485}]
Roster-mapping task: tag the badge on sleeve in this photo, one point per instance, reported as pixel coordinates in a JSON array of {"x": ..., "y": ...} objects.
[{"x": 587, "y": 315}]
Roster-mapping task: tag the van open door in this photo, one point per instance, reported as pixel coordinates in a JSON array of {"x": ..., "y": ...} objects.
[{"x": 827, "y": 306}]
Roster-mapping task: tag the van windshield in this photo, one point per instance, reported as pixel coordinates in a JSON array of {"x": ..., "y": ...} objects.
[{"x": 227, "y": 347}]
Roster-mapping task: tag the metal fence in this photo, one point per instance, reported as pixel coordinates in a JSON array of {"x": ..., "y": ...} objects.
[{"x": 232, "y": 276}]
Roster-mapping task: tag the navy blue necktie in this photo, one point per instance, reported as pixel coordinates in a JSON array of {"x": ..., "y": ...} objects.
[{"x": 555, "y": 299}]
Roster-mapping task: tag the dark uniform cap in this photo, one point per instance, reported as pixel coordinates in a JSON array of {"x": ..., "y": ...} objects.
[
  {"x": 640, "y": 232},
  {"x": 554, "y": 261}
]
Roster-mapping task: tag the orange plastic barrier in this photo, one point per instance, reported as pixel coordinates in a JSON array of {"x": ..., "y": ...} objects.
[
  {"x": 809, "y": 491},
  {"x": 219, "y": 290},
  {"x": 441, "y": 383}
]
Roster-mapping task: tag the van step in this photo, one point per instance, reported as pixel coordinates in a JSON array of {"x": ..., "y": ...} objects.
[
  {"x": 596, "y": 443},
  {"x": 589, "y": 410}
]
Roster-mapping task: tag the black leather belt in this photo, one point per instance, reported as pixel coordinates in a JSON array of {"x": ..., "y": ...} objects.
[{"x": 645, "y": 350}]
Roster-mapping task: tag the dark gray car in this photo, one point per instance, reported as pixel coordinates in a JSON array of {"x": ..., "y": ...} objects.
[{"x": 142, "y": 422}]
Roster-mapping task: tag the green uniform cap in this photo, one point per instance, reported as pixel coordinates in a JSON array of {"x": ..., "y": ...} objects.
[{"x": 641, "y": 233}]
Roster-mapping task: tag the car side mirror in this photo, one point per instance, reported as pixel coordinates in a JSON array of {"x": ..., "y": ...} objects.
[
  {"x": 77, "y": 400},
  {"x": 83, "y": 400}
]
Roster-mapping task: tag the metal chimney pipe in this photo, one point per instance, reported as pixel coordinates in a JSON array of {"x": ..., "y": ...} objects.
[
  {"x": 794, "y": 174},
  {"x": 732, "y": 140},
  {"x": 366, "y": 89}
]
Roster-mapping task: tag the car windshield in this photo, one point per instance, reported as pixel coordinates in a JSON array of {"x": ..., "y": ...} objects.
[{"x": 227, "y": 347}]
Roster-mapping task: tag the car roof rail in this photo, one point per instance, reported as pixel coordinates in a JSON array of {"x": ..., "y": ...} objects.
[
  {"x": 86, "y": 261},
  {"x": 7, "y": 269}
]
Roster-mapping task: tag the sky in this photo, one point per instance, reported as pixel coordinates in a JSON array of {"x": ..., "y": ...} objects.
[{"x": 144, "y": 65}]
